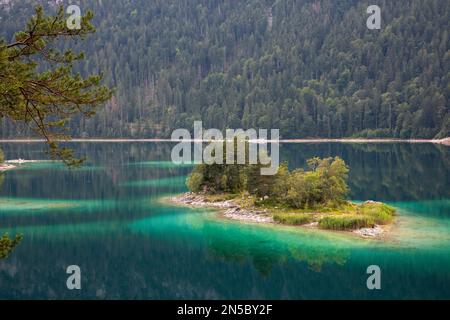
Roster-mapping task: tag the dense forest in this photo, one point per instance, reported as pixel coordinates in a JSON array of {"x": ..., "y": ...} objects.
[{"x": 311, "y": 68}]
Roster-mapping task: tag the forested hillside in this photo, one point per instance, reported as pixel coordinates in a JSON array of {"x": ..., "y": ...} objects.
[{"x": 308, "y": 67}]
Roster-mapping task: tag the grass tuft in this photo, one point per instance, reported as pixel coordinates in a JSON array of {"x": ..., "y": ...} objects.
[
  {"x": 346, "y": 222},
  {"x": 294, "y": 219},
  {"x": 381, "y": 213}
]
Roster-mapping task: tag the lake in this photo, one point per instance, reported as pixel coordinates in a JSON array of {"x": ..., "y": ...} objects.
[{"x": 107, "y": 218}]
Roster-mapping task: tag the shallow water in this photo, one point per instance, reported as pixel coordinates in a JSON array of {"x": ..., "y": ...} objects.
[{"x": 107, "y": 218}]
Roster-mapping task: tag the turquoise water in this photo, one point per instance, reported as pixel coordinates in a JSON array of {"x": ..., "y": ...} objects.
[{"x": 108, "y": 218}]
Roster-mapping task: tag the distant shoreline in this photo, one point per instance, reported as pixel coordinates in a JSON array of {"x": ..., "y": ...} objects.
[
  {"x": 6, "y": 167},
  {"x": 445, "y": 141},
  {"x": 13, "y": 164}
]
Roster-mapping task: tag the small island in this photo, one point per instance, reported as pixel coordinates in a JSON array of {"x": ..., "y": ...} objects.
[{"x": 315, "y": 197}]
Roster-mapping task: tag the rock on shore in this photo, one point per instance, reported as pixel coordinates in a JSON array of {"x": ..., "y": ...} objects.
[
  {"x": 229, "y": 208},
  {"x": 376, "y": 231}
]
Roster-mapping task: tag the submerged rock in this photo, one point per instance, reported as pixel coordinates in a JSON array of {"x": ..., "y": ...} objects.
[{"x": 370, "y": 232}]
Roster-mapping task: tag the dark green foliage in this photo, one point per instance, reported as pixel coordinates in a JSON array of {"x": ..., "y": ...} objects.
[
  {"x": 224, "y": 178},
  {"x": 7, "y": 245},
  {"x": 231, "y": 178},
  {"x": 317, "y": 72}
]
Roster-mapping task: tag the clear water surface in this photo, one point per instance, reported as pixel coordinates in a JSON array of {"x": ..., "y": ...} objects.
[{"x": 108, "y": 218}]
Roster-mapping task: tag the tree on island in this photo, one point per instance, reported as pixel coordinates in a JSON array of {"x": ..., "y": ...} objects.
[
  {"x": 37, "y": 84},
  {"x": 325, "y": 183}
]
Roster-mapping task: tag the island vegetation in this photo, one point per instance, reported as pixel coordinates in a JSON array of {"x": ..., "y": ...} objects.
[{"x": 314, "y": 196}]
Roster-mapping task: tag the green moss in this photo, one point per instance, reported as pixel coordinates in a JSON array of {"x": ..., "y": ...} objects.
[
  {"x": 346, "y": 222},
  {"x": 295, "y": 219}
]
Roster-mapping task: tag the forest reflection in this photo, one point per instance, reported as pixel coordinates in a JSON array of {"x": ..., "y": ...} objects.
[{"x": 388, "y": 172}]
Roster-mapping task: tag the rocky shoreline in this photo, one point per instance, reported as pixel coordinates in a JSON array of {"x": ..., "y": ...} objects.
[
  {"x": 230, "y": 210},
  {"x": 16, "y": 163},
  {"x": 6, "y": 167}
]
